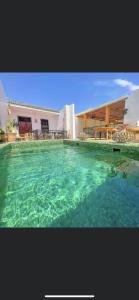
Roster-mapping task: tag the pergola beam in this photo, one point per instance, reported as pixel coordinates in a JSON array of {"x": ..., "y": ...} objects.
[
  {"x": 85, "y": 118},
  {"x": 107, "y": 115}
]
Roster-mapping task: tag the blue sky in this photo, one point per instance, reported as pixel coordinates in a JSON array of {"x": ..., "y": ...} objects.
[{"x": 53, "y": 90}]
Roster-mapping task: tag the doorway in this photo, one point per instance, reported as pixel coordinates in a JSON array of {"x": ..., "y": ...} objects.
[{"x": 25, "y": 125}]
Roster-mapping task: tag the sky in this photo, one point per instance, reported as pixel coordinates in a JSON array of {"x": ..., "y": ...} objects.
[{"x": 54, "y": 90}]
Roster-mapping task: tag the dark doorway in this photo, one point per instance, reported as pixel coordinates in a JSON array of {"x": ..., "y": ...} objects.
[
  {"x": 44, "y": 125},
  {"x": 25, "y": 125}
]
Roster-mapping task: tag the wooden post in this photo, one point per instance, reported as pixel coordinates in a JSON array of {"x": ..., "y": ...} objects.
[
  {"x": 85, "y": 117},
  {"x": 95, "y": 134},
  {"x": 111, "y": 135},
  {"x": 107, "y": 134},
  {"x": 107, "y": 114}
]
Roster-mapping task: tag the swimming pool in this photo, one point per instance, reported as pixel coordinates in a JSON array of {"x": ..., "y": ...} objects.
[{"x": 58, "y": 184}]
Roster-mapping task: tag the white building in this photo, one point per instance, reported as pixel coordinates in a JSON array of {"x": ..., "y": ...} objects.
[
  {"x": 124, "y": 110},
  {"x": 30, "y": 117}
]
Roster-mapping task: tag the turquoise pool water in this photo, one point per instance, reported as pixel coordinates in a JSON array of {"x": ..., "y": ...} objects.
[{"x": 58, "y": 185}]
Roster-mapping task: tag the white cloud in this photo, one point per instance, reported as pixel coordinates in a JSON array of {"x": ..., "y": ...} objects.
[
  {"x": 105, "y": 83},
  {"x": 125, "y": 83}
]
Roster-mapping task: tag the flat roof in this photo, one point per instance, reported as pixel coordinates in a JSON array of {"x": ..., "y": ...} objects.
[
  {"x": 20, "y": 103},
  {"x": 102, "y": 105}
]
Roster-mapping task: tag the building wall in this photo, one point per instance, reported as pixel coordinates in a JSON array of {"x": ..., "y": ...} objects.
[
  {"x": 81, "y": 124},
  {"x": 61, "y": 120},
  {"x": 132, "y": 104},
  {"x": 36, "y": 116},
  {"x": 3, "y": 109},
  {"x": 69, "y": 120},
  {"x": 3, "y": 114},
  {"x": 57, "y": 121}
]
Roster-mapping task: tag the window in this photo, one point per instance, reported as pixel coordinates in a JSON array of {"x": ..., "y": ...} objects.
[{"x": 44, "y": 125}]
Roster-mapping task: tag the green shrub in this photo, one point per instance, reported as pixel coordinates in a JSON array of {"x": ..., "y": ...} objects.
[
  {"x": 123, "y": 136},
  {"x": 1, "y": 131},
  {"x": 11, "y": 125}
]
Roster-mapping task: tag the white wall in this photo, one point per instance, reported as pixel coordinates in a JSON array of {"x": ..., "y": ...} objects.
[
  {"x": 60, "y": 125},
  {"x": 3, "y": 108},
  {"x": 79, "y": 126},
  {"x": 34, "y": 114},
  {"x": 69, "y": 120},
  {"x": 132, "y": 104}
]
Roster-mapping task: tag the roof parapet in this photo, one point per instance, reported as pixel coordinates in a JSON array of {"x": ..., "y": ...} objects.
[{"x": 19, "y": 103}]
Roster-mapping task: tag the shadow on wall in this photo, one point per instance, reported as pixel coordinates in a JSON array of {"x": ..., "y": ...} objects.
[
  {"x": 107, "y": 206},
  {"x": 4, "y": 161}
]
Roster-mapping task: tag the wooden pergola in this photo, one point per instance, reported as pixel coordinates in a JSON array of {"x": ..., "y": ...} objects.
[{"x": 111, "y": 114}]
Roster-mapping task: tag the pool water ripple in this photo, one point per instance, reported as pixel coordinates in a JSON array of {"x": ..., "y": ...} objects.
[{"x": 65, "y": 186}]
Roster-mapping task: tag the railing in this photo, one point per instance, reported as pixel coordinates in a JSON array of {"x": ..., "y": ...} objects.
[
  {"x": 49, "y": 134},
  {"x": 90, "y": 131}
]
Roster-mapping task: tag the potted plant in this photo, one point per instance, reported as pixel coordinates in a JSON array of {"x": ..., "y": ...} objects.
[
  {"x": 11, "y": 130},
  {"x": 2, "y": 135}
]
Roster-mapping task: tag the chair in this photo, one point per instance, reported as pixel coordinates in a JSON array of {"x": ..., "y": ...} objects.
[
  {"x": 21, "y": 137},
  {"x": 28, "y": 136}
]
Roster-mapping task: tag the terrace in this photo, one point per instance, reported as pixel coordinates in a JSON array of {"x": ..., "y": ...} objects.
[
  {"x": 34, "y": 135},
  {"x": 103, "y": 121}
]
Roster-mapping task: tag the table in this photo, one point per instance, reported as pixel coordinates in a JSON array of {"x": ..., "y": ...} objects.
[{"x": 108, "y": 130}]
